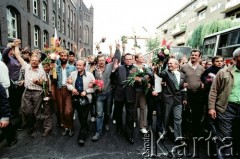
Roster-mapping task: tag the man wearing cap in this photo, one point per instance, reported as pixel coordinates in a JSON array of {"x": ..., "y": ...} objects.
[{"x": 224, "y": 104}]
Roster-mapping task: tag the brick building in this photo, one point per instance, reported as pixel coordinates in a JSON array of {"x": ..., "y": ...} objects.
[{"x": 34, "y": 21}]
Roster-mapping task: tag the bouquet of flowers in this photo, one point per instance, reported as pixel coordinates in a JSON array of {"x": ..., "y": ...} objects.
[
  {"x": 137, "y": 73},
  {"x": 98, "y": 84}
]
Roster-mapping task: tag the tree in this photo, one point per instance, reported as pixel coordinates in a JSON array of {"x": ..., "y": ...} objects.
[{"x": 201, "y": 31}]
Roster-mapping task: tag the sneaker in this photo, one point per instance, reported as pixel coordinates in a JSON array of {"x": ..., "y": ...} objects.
[
  {"x": 93, "y": 119},
  {"x": 114, "y": 122},
  {"x": 96, "y": 137},
  {"x": 143, "y": 131}
]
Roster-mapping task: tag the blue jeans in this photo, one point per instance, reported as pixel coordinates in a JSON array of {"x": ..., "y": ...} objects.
[{"x": 103, "y": 105}]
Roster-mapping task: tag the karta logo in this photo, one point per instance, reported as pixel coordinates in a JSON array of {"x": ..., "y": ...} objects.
[{"x": 181, "y": 149}]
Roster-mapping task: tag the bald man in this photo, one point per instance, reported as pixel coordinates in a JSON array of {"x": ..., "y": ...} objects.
[{"x": 173, "y": 96}]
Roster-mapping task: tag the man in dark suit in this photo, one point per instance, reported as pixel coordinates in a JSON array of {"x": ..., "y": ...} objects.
[
  {"x": 124, "y": 95},
  {"x": 8, "y": 131},
  {"x": 173, "y": 95}
]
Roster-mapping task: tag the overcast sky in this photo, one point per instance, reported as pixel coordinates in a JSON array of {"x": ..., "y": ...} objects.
[{"x": 115, "y": 18}]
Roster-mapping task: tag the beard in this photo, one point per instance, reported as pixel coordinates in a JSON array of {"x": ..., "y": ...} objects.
[{"x": 63, "y": 61}]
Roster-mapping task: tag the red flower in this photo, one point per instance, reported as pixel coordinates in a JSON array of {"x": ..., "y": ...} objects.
[{"x": 99, "y": 84}]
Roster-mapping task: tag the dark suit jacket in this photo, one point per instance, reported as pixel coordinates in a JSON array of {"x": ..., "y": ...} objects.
[
  {"x": 4, "y": 105},
  {"x": 169, "y": 92},
  {"x": 122, "y": 93}
]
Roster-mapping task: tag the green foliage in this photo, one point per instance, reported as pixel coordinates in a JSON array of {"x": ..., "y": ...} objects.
[
  {"x": 152, "y": 44},
  {"x": 201, "y": 31},
  {"x": 195, "y": 40},
  {"x": 124, "y": 39}
]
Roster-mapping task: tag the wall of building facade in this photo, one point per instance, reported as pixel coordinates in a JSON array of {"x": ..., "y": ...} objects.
[
  {"x": 34, "y": 21},
  {"x": 179, "y": 27}
]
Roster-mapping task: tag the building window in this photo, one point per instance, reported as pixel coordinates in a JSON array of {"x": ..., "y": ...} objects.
[
  {"x": 63, "y": 6},
  {"x": 69, "y": 11},
  {"x": 59, "y": 3},
  {"x": 53, "y": 19},
  {"x": 202, "y": 15},
  {"x": 36, "y": 36},
  {"x": 44, "y": 12},
  {"x": 63, "y": 27},
  {"x": 59, "y": 23},
  {"x": 68, "y": 31},
  {"x": 35, "y": 7},
  {"x": 28, "y": 5},
  {"x": 45, "y": 38},
  {"x": 86, "y": 35},
  {"x": 71, "y": 15},
  {"x": 12, "y": 23},
  {"x": 192, "y": 19},
  {"x": 183, "y": 13},
  {"x": 74, "y": 19},
  {"x": 176, "y": 18}
]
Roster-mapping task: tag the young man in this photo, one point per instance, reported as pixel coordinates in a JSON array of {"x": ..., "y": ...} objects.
[
  {"x": 193, "y": 71},
  {"x": 64, "y": 100}
]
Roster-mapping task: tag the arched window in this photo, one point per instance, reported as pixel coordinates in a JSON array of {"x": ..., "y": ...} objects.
[
  {"x": 63, "y": 6},
  {"x": 35, "y": 7},
  {"x": 63, "y": 27},
  {"x": 44, "y": 12},
  {"x": 86, "y": 34},
  {"x": 54, "y": 19},
  {"x": 59, "y": 23},
  {"x": 45, "y": 37},
  {"x": 36, "y": 36},
  {"x": 12, "y": 22}
]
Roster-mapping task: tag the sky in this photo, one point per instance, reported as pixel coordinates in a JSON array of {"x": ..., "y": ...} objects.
[{"x": 115, "y": 18}]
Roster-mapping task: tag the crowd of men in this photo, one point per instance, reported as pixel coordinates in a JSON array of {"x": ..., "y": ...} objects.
[{"x": 38, "y": 86}]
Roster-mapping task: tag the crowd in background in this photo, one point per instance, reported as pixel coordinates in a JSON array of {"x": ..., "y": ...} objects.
[{"x": 37, "y": 87}]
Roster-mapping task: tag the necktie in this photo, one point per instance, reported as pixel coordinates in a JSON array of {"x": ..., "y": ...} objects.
[{"x": 175, "y": 82}]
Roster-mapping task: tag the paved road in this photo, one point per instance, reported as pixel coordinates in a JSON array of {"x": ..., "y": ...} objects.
[{"x": 56, "y": 146}]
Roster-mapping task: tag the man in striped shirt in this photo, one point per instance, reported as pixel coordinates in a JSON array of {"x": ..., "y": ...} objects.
[{"x": 32, "y": 98}]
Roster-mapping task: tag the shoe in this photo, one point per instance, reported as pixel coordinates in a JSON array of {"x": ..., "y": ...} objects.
[
  {"x": 93, "y": 119},
  {"x": 107, "y": 127},
  {"x": 114, "y": 122},
  {"x": 96, "y": 137},
  {"x": 162, "y": 135},
  {"x": 143, "y": 131},
  {"x": 34, "y": 133},
  {"x": 13, "y": 142},
  {"x": 134, "y": 124},
  {"x": 65, "y": 132},
  {"x": 81, "y": 142},
  {"x": 130, "y": 140},
  {"x": 70, "y": 132}
]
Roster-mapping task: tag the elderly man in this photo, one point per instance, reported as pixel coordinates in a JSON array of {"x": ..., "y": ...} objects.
[
  {"x": 32, "y": 98},
  {"x": 173, "y": 96},
  {"x": 224, "y": 104},
  {"x": 78, "y": 84}
]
